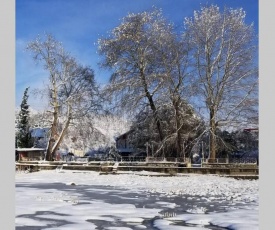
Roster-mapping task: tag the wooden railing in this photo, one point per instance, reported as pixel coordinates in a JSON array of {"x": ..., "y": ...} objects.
[
  {"x": 245, "y": 160},
  {"x": 167, "y": 159}
]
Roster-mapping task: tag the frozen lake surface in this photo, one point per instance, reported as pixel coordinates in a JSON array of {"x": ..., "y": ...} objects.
[{"x": 140, "y": 200}]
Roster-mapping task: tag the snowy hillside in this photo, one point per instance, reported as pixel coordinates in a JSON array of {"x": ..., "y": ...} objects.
[{"x": 94, "y": 133}]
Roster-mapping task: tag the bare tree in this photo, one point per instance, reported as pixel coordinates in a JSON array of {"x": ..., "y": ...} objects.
[
  {"x": 225, "y": 63},
  {"x": 150, "y": 64},
  {"x": 177, "y": 86},
  {"x": 131, "y": 52},
  {"x": 72, "y": 91}
]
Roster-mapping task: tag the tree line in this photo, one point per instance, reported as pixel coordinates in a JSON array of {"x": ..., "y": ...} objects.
[{"x": 177, "y": 85}]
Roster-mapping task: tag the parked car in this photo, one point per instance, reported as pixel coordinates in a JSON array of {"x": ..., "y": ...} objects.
[
  {"x": 94, "y": 156},
  {"x": 68, "y": 156}
]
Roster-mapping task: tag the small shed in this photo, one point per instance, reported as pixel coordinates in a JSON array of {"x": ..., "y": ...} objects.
[
  {"x": 123, "y": 145},
  {"x": 30, "y": 154}
]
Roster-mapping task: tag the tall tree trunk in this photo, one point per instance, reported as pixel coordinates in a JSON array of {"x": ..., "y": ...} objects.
[
  {"x": 152, "y": 105},
  {"x": 156, "y": 117},
  {"x": 54, "y": 133},
  {"x": 63, "y": 132},
  {"x": 178, "y": 128},
  {"x": 61, "y": 136},
  {"x": 212, "y": 136}
]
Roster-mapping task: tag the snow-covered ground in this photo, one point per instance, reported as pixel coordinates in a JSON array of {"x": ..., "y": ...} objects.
[{"x": 134, "y": 200}]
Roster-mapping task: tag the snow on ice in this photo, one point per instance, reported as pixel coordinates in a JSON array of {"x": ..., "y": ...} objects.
[{"x": 134, "y": 200}]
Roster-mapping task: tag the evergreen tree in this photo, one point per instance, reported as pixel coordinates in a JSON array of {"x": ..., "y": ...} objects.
[{"x": 23, "y": 136}]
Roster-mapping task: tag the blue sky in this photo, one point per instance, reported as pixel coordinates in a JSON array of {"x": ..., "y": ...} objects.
[{"x": 79, "y": 23}]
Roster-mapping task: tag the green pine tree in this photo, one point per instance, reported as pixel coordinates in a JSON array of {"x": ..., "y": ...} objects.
[{"x": 23, "y": 136}]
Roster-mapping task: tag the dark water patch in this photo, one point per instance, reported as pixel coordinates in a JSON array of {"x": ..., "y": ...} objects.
[
  {"x": 184, "y": 224},
  {"x": 49, "y": 223},
  {"x": 44, "y": 213},
  {"x": 104, "y": 224}
]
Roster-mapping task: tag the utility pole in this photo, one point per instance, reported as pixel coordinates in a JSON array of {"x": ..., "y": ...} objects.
[
  {"x": 147, "y": 145},
  {"x": 202, "y": 152},
  {"x": 209, "y": 147},
  {"x": 183, "y": 149}
]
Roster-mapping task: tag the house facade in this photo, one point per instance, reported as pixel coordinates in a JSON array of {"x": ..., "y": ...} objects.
[
  {"x": 30, "y": 154},
  {"x": 123, "y": 145}
]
